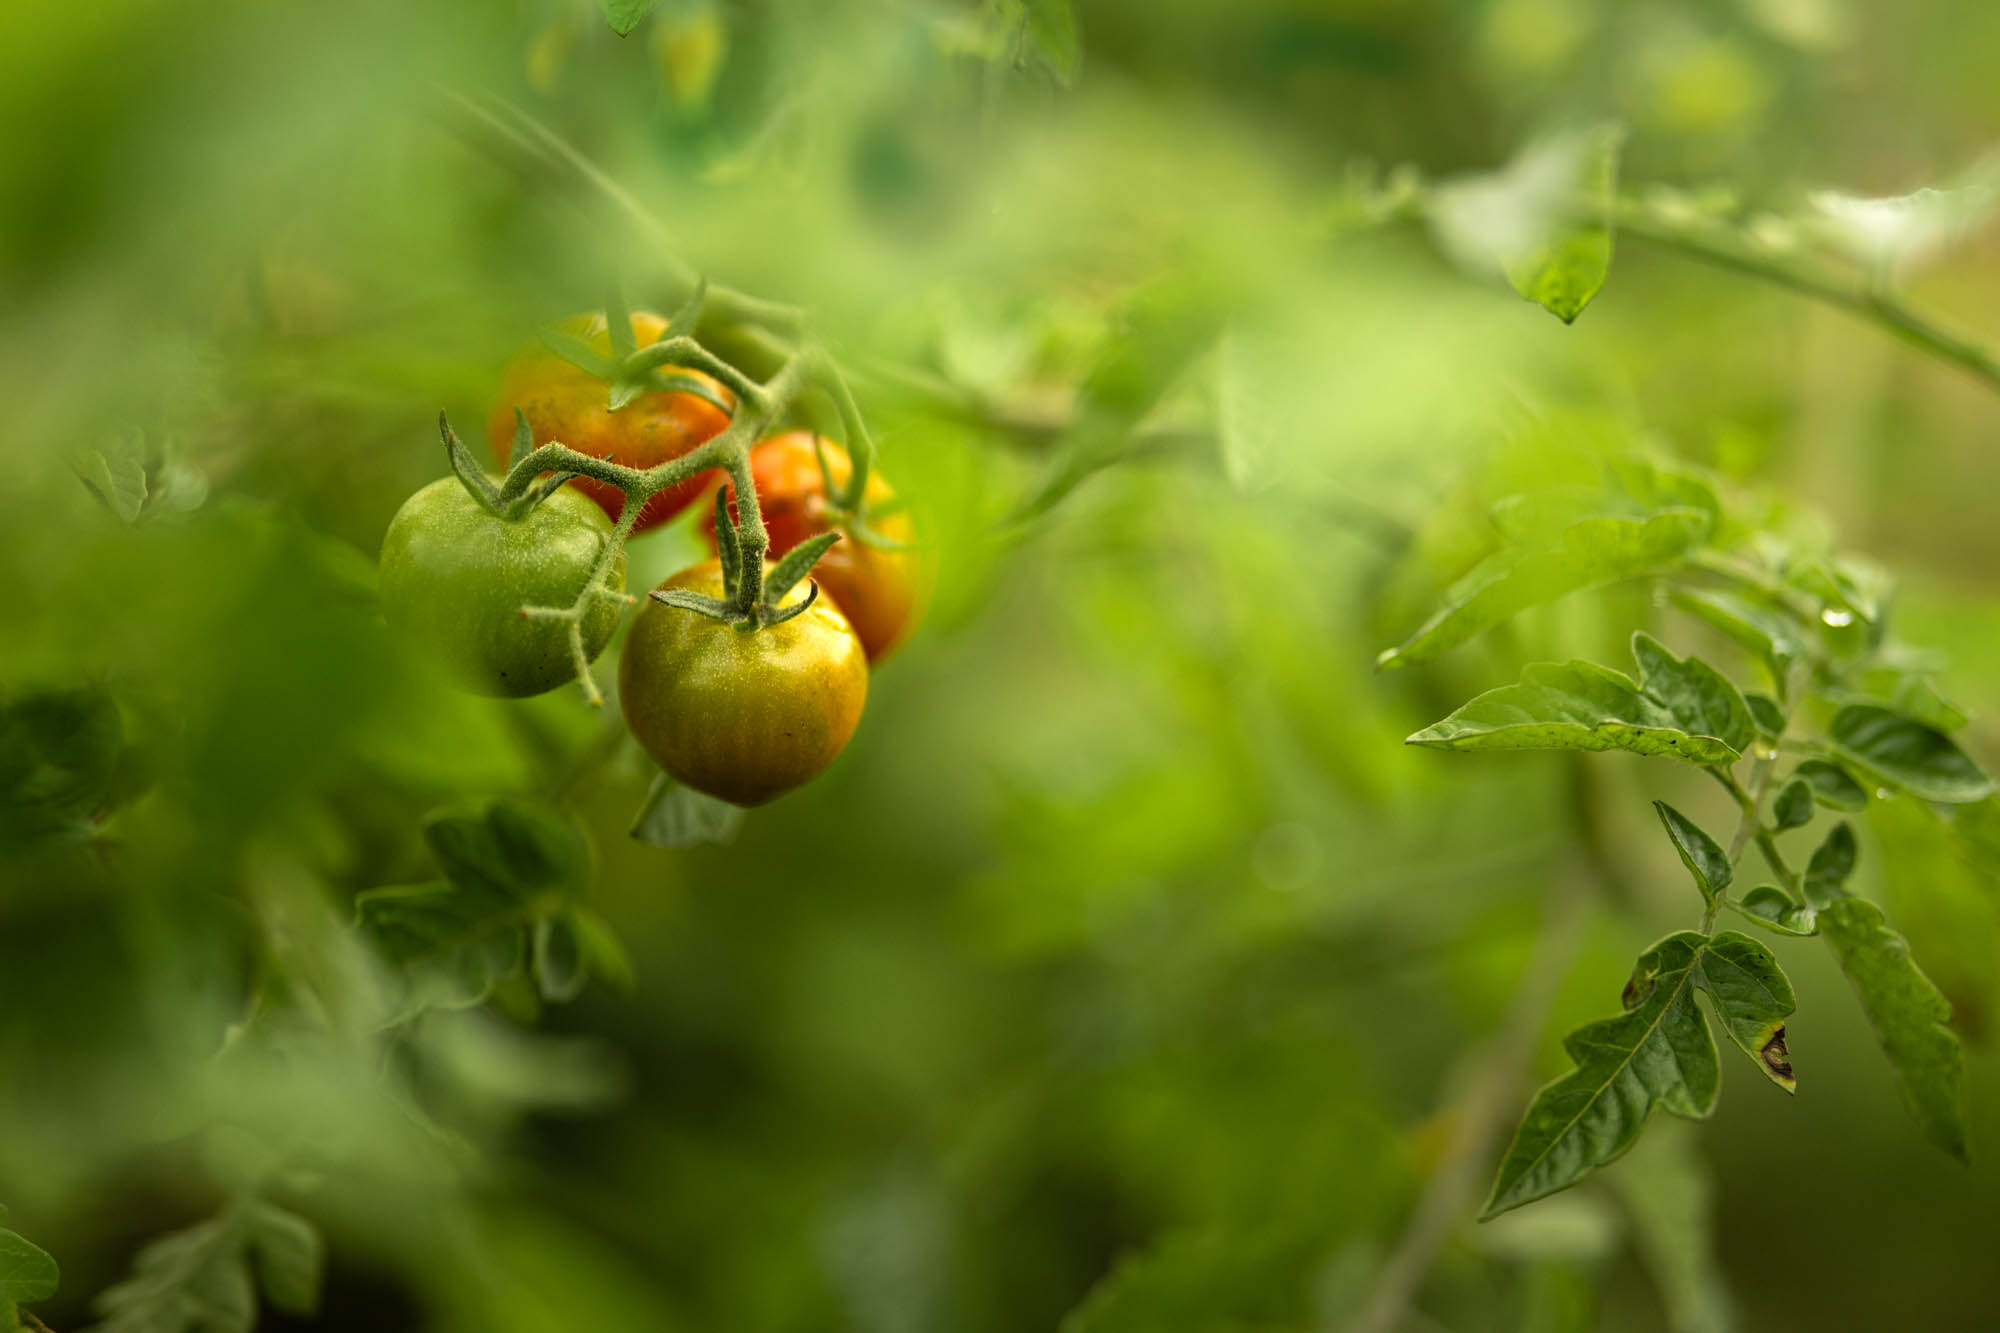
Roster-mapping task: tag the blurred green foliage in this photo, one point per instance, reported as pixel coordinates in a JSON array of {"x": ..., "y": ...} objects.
[{"x": 1127, "y": 969}]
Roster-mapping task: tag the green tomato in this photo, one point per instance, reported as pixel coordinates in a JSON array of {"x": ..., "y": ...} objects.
[
  {"x": 742, "y": 715},
  {"x": 455, "y": 576}
]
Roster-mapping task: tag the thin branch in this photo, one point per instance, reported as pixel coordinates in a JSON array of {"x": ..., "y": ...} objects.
[{"x": 1727, "y": 247}]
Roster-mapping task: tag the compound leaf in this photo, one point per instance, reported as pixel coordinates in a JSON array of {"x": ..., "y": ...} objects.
[{"x": 1657, "y": 1053}]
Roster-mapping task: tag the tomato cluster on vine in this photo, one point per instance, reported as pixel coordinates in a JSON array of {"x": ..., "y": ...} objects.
[{"x": 740, "y": 685}]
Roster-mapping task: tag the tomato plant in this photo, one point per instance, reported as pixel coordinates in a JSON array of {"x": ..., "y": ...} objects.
[
  {"x": 565, "y": 402},
  {"x": 874, "y": 575},
  {"x": 742, "y": 716},
  {"x": 455, "y": 575}
]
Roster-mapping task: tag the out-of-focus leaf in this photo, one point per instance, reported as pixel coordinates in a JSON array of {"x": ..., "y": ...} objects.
[
  {"x": 1905, "y": 753},
  {"x": 64, "y": 764},
  {"x": 1766, "y": 713},
  {"x": 1794, "y": 806},
  {"x": 1771, "y": 907},
  {"x": 1701, "y": 854},
  {"x": 1668, "y": 1192},
  {"x": 27, "y": 1271},
  {"x": 1677, "y": 708},
  {"x": 136, "y": 475},
  {"x": 1591, "y": 552},
  {"x": 192, "y": 1281},
  {"x": 451, "y": 945},
  {"x": 601, "y": 950},
  {"x": 675, "y": 816},
  {"x": 625, "y": 15},
  {"x": 1910, "y": 1017},
  {"x": 512, "y": 848},
  {"x": 1831, "y": 785},
  {"x": 290, "y": 1257},
  {"x": 1053, "y": 35},
  {"x": 1200, "y": 1280},
  {"x": 1543, "y": 220},
  {"x": 1903, "y": 231},
  {"x": 1757, "y": 629},
  {"x": 1155, "y": 335},
  {"x": 1832, "y": 864},
  {"x": 561, "y": 972}
]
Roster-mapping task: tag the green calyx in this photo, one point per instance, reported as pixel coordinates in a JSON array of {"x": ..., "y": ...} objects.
[
  {"x": 480, "y": 486},
  {"x": 631, "y": 371},
  {"x": 753, "y": 597}
]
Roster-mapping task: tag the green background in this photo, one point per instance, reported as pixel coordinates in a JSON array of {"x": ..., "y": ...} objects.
[{"x": 1126, "y": 932}]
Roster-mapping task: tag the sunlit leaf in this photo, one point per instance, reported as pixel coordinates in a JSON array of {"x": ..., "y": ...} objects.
[
  {"x": 1591, "y": 552},
  {"x": 1905, "y": 753},
  {"x": 1052, "y": 31},
  {"x": 1675, "y": 709}
]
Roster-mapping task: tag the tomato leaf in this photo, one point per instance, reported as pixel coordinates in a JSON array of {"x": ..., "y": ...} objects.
[
  {"x": 27, "y": 1271},
  {"x": 450, "y": 945},
  {"x": 192, "y": 1281},
  {"x": 1794, "y": 806},
  {"x": 1658, "y": 1053},
  {"x": 1679, "y": 707},
  {"x": 1753, "y": 998},
  {"x": 1831, "y": 785},
  {"x": 290, "y": 1257},
  {"x": 511, "y": 848},
  {"x": 1755, "y": 628},
  {"x": 1591, "y": 552},
  {"x": 1544, "y": 220},
  {"x": 1701, "y": 854},
  {"x": 1910, "y": 1016},
  {"x": 1905, "y": 753},
  {"x": 1771, "y": 907},
  {"x": 558, "y": 961},
  {"x": 675, "y": 816},
  {"x": 626, "y": 15}
]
